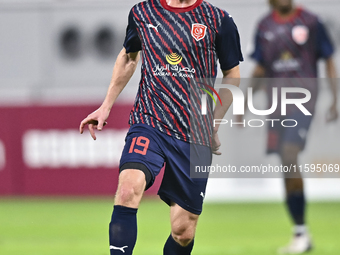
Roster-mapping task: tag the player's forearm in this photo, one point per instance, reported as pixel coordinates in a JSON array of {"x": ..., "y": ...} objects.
[
  {"x": 221, "y": 110},
  {"x": 258, "y": 73},
  {"x": 123, "y": 70},
  {"x": 255, "y": 82},
  {"x": 231, "y": 77},
  {"x": 332, "y": 76}
]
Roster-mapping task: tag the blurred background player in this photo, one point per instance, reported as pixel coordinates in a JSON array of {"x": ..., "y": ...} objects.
[
  {"x": 289, "y": 42},
  {"x": 179, "y": 40}
]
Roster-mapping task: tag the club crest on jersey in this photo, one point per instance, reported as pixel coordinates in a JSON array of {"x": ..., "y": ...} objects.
[
  {"x": 300, "y": 34},
  {"x": 198, "y": 31}
]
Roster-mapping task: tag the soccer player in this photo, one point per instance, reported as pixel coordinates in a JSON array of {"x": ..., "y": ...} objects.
[
  {"x": 289, "y": 42},
  {"x": 179, "y": 41}
]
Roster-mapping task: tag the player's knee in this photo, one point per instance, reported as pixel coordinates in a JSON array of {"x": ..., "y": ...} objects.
[
  {"x": 288, "y": 158},
  {"x": 289, "y": 154},
  {"x": 183, "y": 225},
  {"x": 125, "y": 193},
  {"x": 184, "y": 239},
  {"x": 130, "y": 188},
  {"x": 183, "y": 235},
  {"x": 294, "y": 185},
  {"x": 128, "y": 195}
]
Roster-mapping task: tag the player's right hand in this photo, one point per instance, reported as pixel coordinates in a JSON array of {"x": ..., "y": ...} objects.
[
  {"x": 96, "y": 120},
  {"x": 216, "y": 144}
]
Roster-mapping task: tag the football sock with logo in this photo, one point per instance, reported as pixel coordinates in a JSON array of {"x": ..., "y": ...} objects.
[
  {"x": 296, "y": 205},
  {"x": 123, "y": 230},
  {"x": 171, "y": 247}
]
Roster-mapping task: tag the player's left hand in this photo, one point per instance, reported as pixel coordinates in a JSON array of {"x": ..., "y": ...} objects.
[
  {"x": 332, "y": 114},
  {"x": 216, "y": 144}
]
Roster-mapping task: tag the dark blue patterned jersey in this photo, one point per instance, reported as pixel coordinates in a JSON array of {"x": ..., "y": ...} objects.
[
  {"x": 179, "y": 46},
  {"x": 290, "y": 48}
]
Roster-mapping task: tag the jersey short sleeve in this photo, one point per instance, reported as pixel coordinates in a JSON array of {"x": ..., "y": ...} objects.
[
  {"x": 228, "y": 46},
  {"x": 257, "y": 53},
  {"x": 324, "y": 45},
  {"x": 132, "y": 42}
]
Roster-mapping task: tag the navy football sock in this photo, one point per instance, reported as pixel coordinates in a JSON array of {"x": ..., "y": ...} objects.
[
  {"x": 123, "y": 230},
  {"x": 171, "y": 247},
  {"x": 296, "y": 205}
]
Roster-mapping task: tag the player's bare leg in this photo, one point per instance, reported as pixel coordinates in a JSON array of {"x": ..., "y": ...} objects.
[
  {"x": 123, "y": 225},
  {"x": 293, "y": 184},
  {"x": 183, "y": 225},
  {"x": 183, "y": 228},
  {"x": 130, "y": 189},
  {"x": 295, "y": 200}
]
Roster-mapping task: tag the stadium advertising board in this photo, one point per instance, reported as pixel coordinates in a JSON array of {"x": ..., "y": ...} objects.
[{"x": 42, "y": 152}]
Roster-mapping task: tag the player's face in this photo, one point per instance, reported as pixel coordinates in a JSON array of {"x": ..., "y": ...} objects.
[{"x": 283, "y": 6}]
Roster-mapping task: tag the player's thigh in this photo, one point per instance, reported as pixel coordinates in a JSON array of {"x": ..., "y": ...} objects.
[{"x": 289, "y": 153}]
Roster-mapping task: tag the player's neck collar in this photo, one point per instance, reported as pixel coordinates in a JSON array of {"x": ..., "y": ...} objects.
[
  {"x": 284, "y": 19},
  {"x": 179, "y": 9}
]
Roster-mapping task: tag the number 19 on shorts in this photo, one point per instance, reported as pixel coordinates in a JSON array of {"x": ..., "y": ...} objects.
[{"x": 141, "y": 141}]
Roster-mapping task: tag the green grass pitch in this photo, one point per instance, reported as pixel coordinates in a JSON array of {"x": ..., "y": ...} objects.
[{"x": 79, "y": 226}]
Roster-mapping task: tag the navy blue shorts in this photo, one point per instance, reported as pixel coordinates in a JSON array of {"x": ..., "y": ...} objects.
[
  {"x": 279, "y": 135},
  {"x": 148, "y": 150}
]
